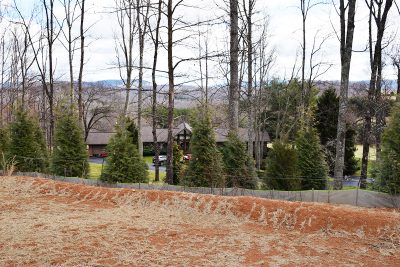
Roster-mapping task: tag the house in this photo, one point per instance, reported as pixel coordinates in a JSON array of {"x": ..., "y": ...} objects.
[{"x": 97, "y": 141}]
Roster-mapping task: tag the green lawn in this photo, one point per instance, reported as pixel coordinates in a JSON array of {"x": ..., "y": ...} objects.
[
  {"x": 95, "y": 172},
  {"x": 372, "y": 152},
  {"x": 371, "y": 162}
]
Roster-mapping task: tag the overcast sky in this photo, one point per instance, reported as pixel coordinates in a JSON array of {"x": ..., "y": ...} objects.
[{"x": 284, "y": 29}]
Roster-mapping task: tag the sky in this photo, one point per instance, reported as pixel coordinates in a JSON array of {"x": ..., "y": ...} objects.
[{"x": 284, "y": 29}]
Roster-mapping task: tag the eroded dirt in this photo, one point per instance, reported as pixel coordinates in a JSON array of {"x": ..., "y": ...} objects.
[{"x": 44, "y": 223}]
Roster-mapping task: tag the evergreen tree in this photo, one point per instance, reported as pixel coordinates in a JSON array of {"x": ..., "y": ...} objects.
[
  {"x": 282, "y": 168},
  {"x": 133, "y": 131},
  {"x": 27, "y": 144},
  {"x": 124, "y": 164},
  {"x": 4, "y": 144},
  {"x": 350, "y": 161},
  {"x": 389, "y": 165},
  {"x": 239, "y": 167},
  {"x": 326, "y": 118},
  {"x": 311, "y": 162},
  {"x": 206, "y": 166},
  {"x": 177, "y": 164},
  {"x": 69, "y": 153}
]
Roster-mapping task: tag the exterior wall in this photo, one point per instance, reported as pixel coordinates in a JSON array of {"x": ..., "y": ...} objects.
[{"x": 97, "y": 150}]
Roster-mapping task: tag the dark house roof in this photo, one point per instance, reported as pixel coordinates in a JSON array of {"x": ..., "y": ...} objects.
[{"x": 102, "y": 138}]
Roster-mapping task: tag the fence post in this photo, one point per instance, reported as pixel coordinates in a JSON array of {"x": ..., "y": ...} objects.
[{"x": 313, "y": 195}]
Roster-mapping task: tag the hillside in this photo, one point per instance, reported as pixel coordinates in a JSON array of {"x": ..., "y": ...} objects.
[{"x": 44, "y": 222}]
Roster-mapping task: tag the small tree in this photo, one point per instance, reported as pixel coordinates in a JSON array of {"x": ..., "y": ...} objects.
[
  {"x": 27, "y": 144},
  {"x": 389, "y": 165},
  {"x": 281, "y": 167},
  {"x": 239, "y": 167},
  {"x": 206, "y": 166},
  {"x": 124, "y": 164},
  {"x": 69, "y": 154},
  {"x": 4, "y": 144},
  {"x": 311, "y": 162}
]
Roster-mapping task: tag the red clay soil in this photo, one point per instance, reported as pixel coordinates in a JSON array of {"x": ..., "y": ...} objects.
[{"x": 43, "y": 223}]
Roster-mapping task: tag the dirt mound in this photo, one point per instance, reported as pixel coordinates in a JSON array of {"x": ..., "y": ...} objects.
[{"x": 43, "y": 222}]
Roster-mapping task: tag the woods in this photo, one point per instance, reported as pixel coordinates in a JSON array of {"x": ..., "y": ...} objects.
[{"x": 202, "y": 81}]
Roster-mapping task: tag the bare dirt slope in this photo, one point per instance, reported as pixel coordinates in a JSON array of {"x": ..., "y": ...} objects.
[{"x": 45, "y": 223}]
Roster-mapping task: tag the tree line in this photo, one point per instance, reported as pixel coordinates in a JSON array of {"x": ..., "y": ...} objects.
[{"x": 313, "y": 131}]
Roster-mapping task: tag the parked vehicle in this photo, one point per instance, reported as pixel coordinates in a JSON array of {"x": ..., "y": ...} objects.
[
  {"x": 162, "y": 159},
  {"x": 187, "y": 157}
]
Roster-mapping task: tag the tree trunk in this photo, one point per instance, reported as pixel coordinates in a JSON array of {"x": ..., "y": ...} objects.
[
  {"x": 170, "y": 145},
  {"x": 398, "y": 84},
  {"x": 82, "y": 61},
  {"x": 154, "y": 96},
  {"x": 234, "y": 68},
  {"x": 346, "y": 46},
  {"x": 250, "y": 114}
]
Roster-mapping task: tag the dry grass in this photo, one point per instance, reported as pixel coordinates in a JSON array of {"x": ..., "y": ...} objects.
[{"x": 52, "y": 223}]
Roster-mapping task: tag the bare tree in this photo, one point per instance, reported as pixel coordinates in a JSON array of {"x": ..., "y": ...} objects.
[
  {"x": 70, "y": 7},
  {"x": 395, "y": 57},
  {"x": 379, "y": 10},
  {"x": 156, "y": 40},
  {"x": 234, "y": 67},
  {"x": 346, "y": 48},
  {"x": 98, "y": 106},
  {"x": 142, "y": 14},
  {"x": 82, "y": 56},
  {"x": 249, "y": 12},
  {"x": 171, "y": 92},
  {"x": 125, "y": 10}
]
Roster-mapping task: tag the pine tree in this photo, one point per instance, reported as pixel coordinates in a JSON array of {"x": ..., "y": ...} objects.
[
  {"x": 4, "y": 144},
  {"x": 27, "y": 144},
  {"x": 326, "y": 118},
  {"x": 69, "y": 154},
  {"x": 124, "y": 164},
  {"x": 239, "y": 167},
  {"x": 282, "y": 168},
  {"x": 206, "y": 166},
  {"x": 389, "y": 165},
  {"x": 311, "y": 162},
  {"x": 133, "y": 131},
  {"x": 177, "y": 164},
  {"x": 350, "y": 161}
]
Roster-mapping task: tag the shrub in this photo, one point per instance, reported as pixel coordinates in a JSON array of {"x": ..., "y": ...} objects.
[{"x": 281, "y": 167}]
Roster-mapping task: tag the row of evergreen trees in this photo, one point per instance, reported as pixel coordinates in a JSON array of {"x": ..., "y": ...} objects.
[
  {"x": 23, "y": 143},
  {"x": 210, "y": 167}
]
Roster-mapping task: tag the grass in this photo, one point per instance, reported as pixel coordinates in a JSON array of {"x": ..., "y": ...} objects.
[
  {"x": 94, "y": 170},
  {"x": 372, "y": 152}
]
